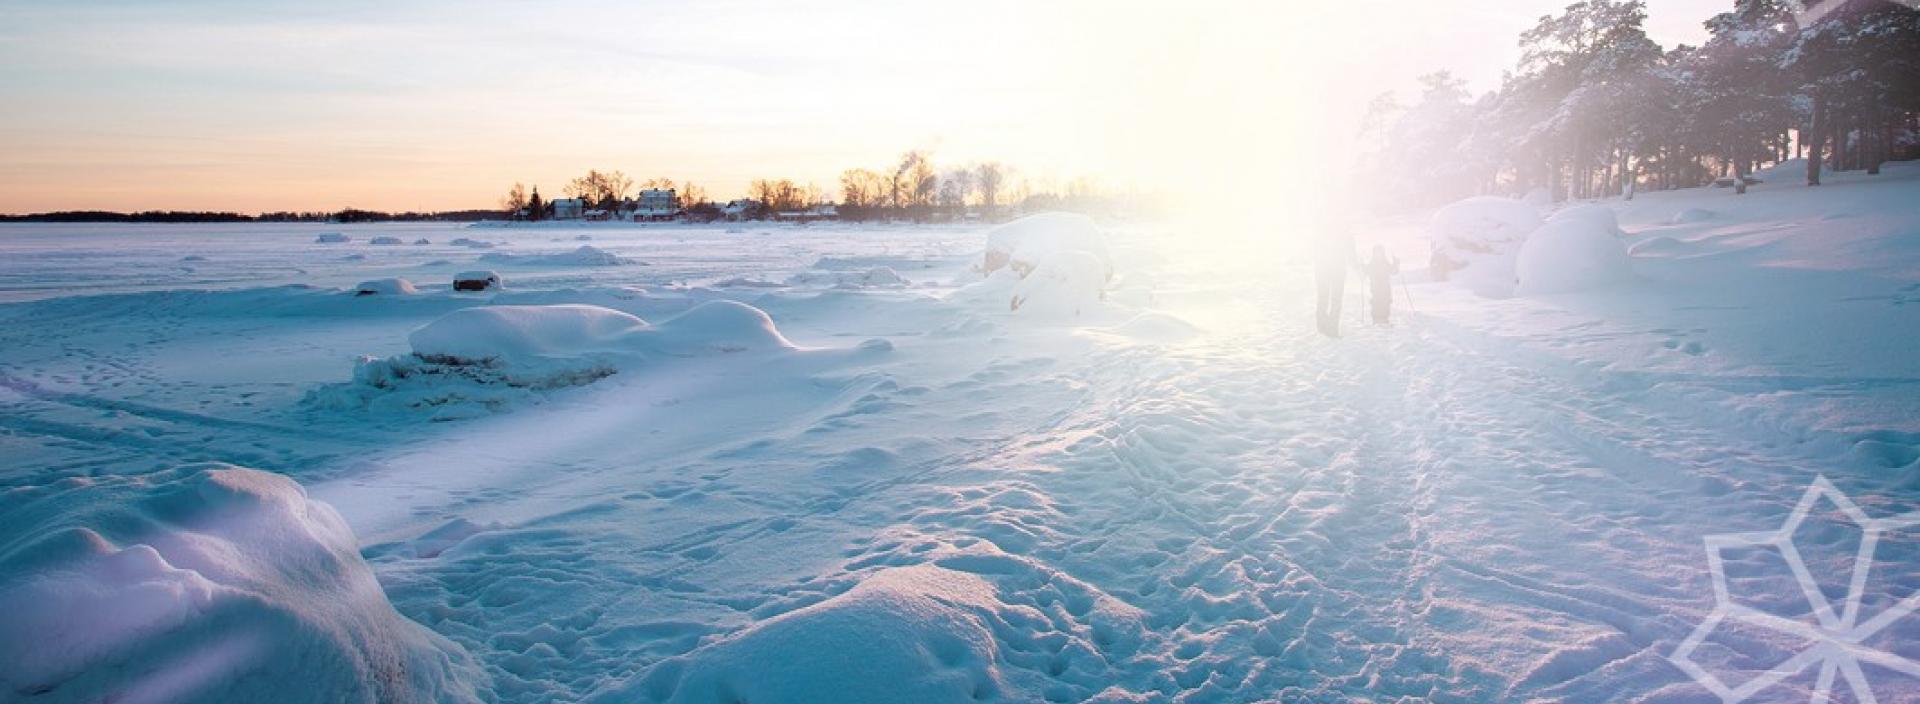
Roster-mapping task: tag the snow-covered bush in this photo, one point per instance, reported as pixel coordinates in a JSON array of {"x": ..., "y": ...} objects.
[
  {"x": 385, "y": 287},
  {"x": 1570, "y": 254},
  {"x": 204, "y": 583},
  {"x": 332, "y": 238}
]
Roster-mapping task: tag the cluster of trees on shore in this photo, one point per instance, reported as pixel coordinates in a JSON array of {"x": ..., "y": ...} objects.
[
  {"x": 914, "y": 188},
  {"x": 609, "y": 190},
  {"x": 193, "y": 216},
  {"x": 1596, "y": 108}
]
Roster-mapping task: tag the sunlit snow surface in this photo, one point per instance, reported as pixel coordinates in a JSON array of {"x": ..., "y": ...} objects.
[{"x": 1180, "y": 494}]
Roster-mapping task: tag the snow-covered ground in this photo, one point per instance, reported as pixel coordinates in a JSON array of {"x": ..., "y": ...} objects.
[{"x": 897, "y": 486}]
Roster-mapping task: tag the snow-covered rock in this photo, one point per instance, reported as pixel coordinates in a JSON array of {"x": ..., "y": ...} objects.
[
  {"x": 1571, "y": 254},
  {"x": 332, "y": 238},
  {"x": 423, "y": 241},
  {"x": 1024, "y": 244},
  {"x": 477, "y": 280},
  {"x": 385, "y": 240},
  {"x": 385, "y": 287},
  {"x": 202, "y": 583}
]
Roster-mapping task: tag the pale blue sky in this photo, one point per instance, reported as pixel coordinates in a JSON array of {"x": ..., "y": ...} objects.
[{"x": 260, "y": 105}]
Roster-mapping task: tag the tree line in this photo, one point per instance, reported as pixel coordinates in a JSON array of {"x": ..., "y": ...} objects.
[
  {"x": 608, "y": 190},
  {"x": 1596, "y": 108},
  {"x": 197, "y": 216},
  {"x": 913, "y": 188}
]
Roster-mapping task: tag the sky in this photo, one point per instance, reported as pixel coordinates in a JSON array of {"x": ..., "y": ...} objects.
[{"x": 263, "y": 106}]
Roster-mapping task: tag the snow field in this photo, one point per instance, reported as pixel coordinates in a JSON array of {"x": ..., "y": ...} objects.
[{"x": 1499, "y": 499}]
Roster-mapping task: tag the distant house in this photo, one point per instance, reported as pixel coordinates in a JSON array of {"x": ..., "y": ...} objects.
[
  {"x": 657, "y": 204},
  {"x": 569, "y": 208},
  {"x": 597, "y": 215},
  {"x": 742, "y": 209}
]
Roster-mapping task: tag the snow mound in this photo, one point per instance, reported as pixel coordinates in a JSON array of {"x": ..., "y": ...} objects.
[
  {"x": 331, "y": 238},
  {"x": 586, "y": 255},
  {"x": 471, "y": 243},
  {"x": 384, "y": 240},
  {"x": 423, "y": 241},
  {"x": 203, "y": 583},
  {"x": 1691, "y": 216},
  {"x": 1024, "y": 244},
  {"x": 1598, "y": 215},
  {"x": 507, "y": 333},
  {"x": 918, "y": 634},
  {"x": 1155, "y": 326},
  {"x": 1063, "y": 284},
  {"x": 877, "y": 277},
  {"x": 1570, "y": 255},
  {"x": 487, "y": 359},
  {"x": 385, "y": 287}
]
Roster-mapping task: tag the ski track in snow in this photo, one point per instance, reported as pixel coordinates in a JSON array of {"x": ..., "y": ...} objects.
[{"x": 1445, "y": 510}]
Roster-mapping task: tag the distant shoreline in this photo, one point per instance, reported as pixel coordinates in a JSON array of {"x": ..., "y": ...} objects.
[{"x": 179, "y": 216}]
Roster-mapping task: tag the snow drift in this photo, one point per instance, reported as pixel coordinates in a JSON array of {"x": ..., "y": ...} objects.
[
  {"x": 486, "y": 359},
  {"x": 1574, "y": 251},
  {"x": 331, "y": 238},
  {"x": 203, "y": 583},
  {"x": 586, "y": 255}
]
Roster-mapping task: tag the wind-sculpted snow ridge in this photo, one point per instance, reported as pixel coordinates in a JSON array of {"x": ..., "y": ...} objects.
[
  {"x": 202, "y": 583},
  {"x": 920, "y": 619},
  {"x": 486, "y": 359},
  {"x": 586, "y": 255}
]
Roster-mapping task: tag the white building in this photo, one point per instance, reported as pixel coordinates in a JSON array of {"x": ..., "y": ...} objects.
[
  {"x": 569, "y": 208},
  {"x": 657, "y": 204}
]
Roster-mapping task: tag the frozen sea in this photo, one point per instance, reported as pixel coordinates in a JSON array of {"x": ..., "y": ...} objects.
[{"x": 1179, "y": 493}]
